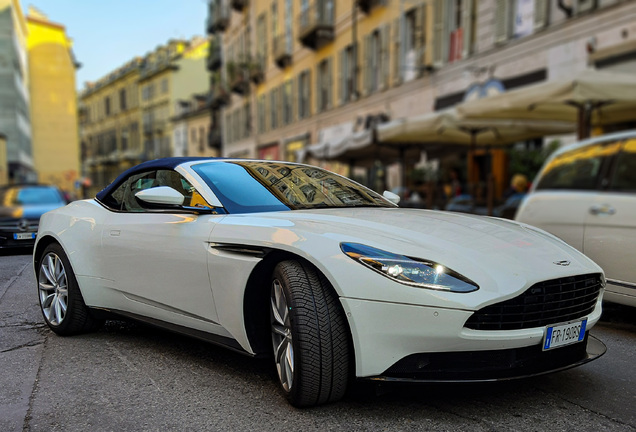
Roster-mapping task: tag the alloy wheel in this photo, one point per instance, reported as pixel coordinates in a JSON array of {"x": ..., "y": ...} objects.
[
  {"x": 53, "y": 289},
  {"x": 282, "y": 336}
]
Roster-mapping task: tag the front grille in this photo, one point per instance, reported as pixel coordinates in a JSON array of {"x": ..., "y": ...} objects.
[{"x": 545, "y": 303}]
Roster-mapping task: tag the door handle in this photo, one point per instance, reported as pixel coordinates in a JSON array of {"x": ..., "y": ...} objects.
[{"x": 605, "y": 209}]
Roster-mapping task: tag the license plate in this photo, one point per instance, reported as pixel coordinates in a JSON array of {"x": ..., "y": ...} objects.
[
  {"x": 564, "y": 334},
  {"x": 23, "y": 236}
]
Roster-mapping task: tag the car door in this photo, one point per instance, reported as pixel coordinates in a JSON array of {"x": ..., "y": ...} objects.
[
  {"x": 569, "y": 184},
  {"x": 610, "y": 228},
  {"x": 157, "y": 258}
]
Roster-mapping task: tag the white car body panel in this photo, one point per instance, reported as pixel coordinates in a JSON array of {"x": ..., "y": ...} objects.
[{"x": 140, "y": 264}]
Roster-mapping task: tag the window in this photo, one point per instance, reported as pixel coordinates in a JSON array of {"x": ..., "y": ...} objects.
[
  {"x": 164, "y": 86},
  {"x": 579, "y": 169},
  {"x": 625, "y": 175},
  {"x": 288, "y": 26},
  {"x": 261, "y": 114},
  {"x": 304, "y": 92},
  {"x": 261, "y": 34},
  {"x": 122, "y": 100},
  {"x": 323, "y": 85},
  {"x": 273, "y": 109},
  {"x": 123, "y": 197},
  {"x": 347, "y": 75},
  {"x": 107, "y": 106},
  {"x": 287, "y": 102},
  {"x": 201, "y": 140},
  {"x": 519, "y": 18}
]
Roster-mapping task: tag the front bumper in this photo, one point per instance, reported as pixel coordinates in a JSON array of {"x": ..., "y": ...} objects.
[{"x": 402, "y": 342}]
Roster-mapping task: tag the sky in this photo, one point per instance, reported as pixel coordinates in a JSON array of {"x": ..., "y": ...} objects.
[{"x": 108, "y": 33}]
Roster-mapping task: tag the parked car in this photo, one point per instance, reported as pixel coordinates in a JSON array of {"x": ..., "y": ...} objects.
[
  {"x": 466, "y": 204},
  {"x": 586, "y": 195},
  {"x": 332, "y": 280},
  {"x": 20, "y": 209}
]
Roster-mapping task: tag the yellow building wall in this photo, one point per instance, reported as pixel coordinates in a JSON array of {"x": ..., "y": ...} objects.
[{"x": 55, "y": 143}]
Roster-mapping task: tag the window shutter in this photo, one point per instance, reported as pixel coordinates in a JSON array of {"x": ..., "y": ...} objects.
[
  {"x": 318, "y": 89},
  {"x": 438, "y": 34},
  {"x": 366, "y": 75},
  {"x": 397, "y": 70},
  {"x": 294, "y": 100},
  {"x": 308, "y": 94},
  {"x": 330, "y": 83},
  {"x": 420, "y": 18},
  {"x": 341, "y": 77},
  {"x": 385, "y": 36},
  {"x": 502, "y": 20},
  {"x": 467, "y": 27},
  {"x": 541, "y": 11}
]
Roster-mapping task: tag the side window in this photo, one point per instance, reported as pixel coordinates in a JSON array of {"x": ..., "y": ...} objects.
[
  {"x": 158, "y": 178},
  {"x": 116, "y": 198},
  {"x": 579, "y": 169},
  {"x": 625, "y": 173}
]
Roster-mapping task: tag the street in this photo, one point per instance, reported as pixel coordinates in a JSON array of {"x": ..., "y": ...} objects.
[{"x": 130, "y": 377}]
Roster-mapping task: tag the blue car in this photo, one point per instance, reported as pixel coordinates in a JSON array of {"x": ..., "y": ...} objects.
[{"x": 20, "y": 209}]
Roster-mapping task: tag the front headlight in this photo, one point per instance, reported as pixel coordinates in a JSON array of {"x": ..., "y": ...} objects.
[{"x": 409, "y": 271}]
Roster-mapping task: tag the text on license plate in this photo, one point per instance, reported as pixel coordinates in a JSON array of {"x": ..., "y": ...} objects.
[
  {"x": 23, "y": 236},
  {"x": 564, "y": 334}
]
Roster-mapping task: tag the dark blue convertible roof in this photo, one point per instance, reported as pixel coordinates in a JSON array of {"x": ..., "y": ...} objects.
[{"x": 163, "y": 163}]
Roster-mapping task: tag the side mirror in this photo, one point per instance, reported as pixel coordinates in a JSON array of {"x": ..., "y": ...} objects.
[
  {"x": 394, "y": 198},
  {"x": 162, "y": 195}
]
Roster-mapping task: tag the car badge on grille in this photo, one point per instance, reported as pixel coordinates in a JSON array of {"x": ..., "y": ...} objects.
[
  {"x": 23, "y": 224},
  {"x": 562, "y": 263}
]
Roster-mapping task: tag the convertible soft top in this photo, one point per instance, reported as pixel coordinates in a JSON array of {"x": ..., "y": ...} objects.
[{"x": 163, "y": 163}]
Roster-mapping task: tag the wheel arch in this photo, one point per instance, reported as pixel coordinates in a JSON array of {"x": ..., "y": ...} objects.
[
  {"x": 41, "y": 245},
  {"x": 256, "y": 315}
]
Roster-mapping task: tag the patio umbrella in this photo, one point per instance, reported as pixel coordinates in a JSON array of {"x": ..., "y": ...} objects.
[
  {"x": 448, "y": 129},
  {"x": 591, "y": 98}
]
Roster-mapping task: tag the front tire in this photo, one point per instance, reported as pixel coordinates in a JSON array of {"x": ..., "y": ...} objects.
[
  {"x": 309, "y": 336},
  {"x": 61, "y": 301}
]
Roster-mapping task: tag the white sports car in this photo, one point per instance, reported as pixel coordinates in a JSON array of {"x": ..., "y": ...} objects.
[{"x": 334, "y": 280}]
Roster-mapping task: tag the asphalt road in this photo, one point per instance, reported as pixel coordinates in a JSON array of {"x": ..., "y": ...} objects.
[{"x": 129, "y": 377}]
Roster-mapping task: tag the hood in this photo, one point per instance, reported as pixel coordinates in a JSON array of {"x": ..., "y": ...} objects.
[{"x": 501, "y": 256}]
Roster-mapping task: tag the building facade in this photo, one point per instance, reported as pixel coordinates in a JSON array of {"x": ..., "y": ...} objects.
[
  {"x": 15, "y": 117},
  {"x": 125, "y": 117},
  {"x": 55, "y": 139},
  {"x": 288, "y": 73}
]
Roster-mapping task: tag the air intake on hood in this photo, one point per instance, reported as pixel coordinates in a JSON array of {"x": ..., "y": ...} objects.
[{"x": 545, "y": 303}]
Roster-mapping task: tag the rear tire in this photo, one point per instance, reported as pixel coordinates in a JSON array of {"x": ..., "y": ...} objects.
[
  {"x": 61, "y": 301},
  {"x": 309, "y": 335}
]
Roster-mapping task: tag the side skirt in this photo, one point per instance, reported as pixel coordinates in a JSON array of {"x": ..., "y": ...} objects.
[{"x": 223, "y": 341}]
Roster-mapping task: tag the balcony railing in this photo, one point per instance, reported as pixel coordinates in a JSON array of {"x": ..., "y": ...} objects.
[
  {"x": 281, "y": 50},
  {"x": 367, "y": 5},
  {"x": 316, "y": 24},
  {"x": 218, "y": 16},
  {"x": 238, "y": 77},
  {"x": 214, "y": 57},
  {"x": 219, "y": 94},
  {"x": 214, "y": 138},
  {"x": 239, "y": 5},
  {"x": 256, "y": 67}
]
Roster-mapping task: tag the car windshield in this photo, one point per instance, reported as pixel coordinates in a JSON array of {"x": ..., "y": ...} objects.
[
  {"x": 30, "y": 195},
  {"x": 256, "y": 186}
]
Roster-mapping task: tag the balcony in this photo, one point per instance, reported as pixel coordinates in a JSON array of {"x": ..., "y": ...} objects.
[
  {"x": 316, "y": 24},
  {"x": 214, "y": 57},
  {"x": 214, "y": 138},
  {"x": 219, "y": 95},
  {"x": 218, "y": 16},
  {"x": 239, "y": 5},
  {"x": 367, "y": 5},
  {"x": 238, "y": 77},
  {"x": 282, "y": 53},
  {"x": 256, "y": 69}
]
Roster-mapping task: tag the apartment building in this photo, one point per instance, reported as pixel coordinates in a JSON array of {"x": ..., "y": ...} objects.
[
  {"x": 15, "y": 117},
  {"x": 125, "y": 117},
  {"x": 286, "y": 74},
  {"x": 52, "y": 65}
]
